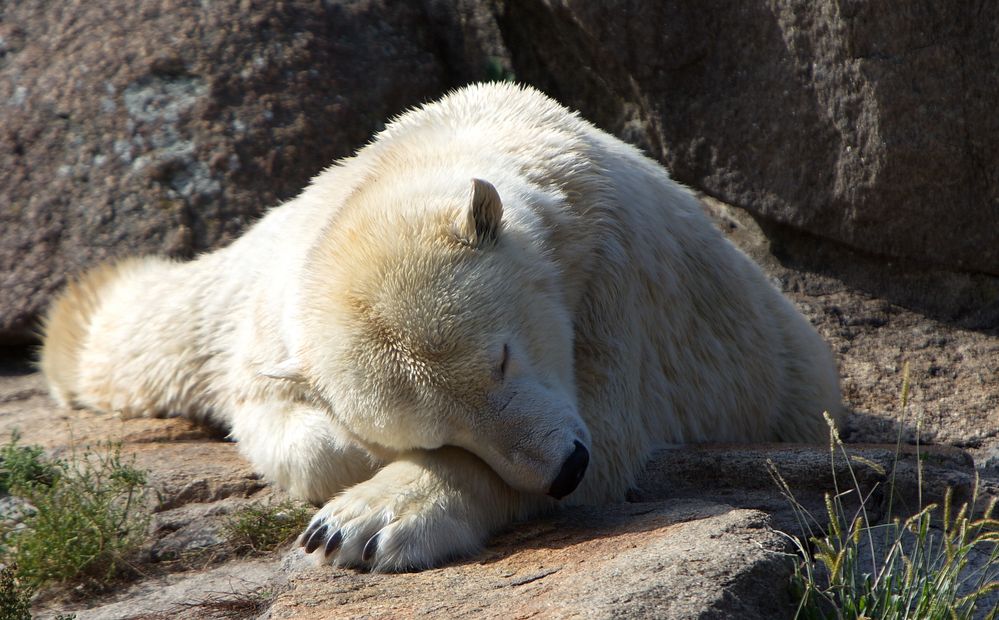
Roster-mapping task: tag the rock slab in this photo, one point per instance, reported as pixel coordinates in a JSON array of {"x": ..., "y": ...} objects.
[
  {"x": 166, "y": 127},
  {"x": 698, "y": 538},
  {"x": 854, "y": 121},
  {"x": 685, "y": 559},
  {"x": 169, "y": 127}
]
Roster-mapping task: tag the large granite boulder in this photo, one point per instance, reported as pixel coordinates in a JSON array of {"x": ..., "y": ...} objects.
[
  {"x": 868, "y": 123},
  {"x": 166, "y": 126}
]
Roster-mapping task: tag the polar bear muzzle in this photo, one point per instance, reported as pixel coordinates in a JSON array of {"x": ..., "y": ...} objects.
[{"x": 531, "y": 435}]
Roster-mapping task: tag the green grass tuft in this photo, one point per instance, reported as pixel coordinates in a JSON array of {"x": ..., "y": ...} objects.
[
  {"x": 916, "y": 568},
  {"x": 86, "y": 518},
  {"x": 25, "y": 467},
  {"x": 262, "y": 528},
  {"x": 922, "y": 569}
]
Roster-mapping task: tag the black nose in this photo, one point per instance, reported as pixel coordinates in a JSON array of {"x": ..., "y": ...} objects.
[{"x": 571, "y": 473}]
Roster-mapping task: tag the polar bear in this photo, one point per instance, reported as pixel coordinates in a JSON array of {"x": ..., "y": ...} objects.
[{"x": 492, "y": 306}]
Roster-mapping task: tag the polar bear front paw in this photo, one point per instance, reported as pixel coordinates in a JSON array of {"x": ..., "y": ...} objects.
[{"x": 409, "y": 516}]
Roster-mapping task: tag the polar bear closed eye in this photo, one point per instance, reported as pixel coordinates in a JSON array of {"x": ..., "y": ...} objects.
[{"x": 491, "y": 310}]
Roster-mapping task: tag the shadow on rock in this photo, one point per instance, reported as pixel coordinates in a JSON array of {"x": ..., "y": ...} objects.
[{"x": 962, "y": 299}]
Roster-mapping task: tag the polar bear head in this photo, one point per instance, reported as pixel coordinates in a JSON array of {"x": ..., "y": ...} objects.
[{"x": 428, "y": 321}]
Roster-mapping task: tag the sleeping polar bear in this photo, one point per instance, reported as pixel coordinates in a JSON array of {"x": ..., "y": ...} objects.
[{"x": 491, "y": 306}]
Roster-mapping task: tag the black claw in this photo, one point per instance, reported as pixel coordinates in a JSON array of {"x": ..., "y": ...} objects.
[
  {"x": 309, "y": 531},
  {"x": 369, "y": 549},
  {"x": 333, "y": 543},
  {"x": 316, "y": 539}
]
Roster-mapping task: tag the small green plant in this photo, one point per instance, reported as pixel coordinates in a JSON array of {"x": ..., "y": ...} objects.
[
  {"x": 86, "y": 515},
  {"x": 917, "y": 568},
  {"x": 262, "y": 528},
  {"x": 15, "y": 598},
  {"x": 25, "y": 466}
]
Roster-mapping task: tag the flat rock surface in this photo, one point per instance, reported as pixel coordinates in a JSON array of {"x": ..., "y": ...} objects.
[
  {"x": 240, "y": 587},
  {"x": 681, "y": 559}
]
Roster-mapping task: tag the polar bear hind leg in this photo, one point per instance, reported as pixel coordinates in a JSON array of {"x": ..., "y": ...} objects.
[{"x": 82, "y": 364}]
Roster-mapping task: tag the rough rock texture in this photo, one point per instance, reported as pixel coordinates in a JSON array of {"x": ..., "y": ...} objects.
[
  {"x": 743, "y": 476},
  {"x": 856, "y": 121},
  {"x": 238, "y": 589},
  {"x": 166, "y": 127},
  {"x": 684, "y": 559},
  {"x": 168, "y": 132}
]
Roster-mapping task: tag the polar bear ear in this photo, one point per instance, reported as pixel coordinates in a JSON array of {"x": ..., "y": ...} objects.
[
  {"x": 288, "y": 370},
  {"x": 485, "y": 212}
]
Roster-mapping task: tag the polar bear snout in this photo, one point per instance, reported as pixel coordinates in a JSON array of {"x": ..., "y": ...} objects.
[
  {"x": 542, "y": 469},
  {"x": 533, "y": 437},
  {"x": 571, "y": 473}
]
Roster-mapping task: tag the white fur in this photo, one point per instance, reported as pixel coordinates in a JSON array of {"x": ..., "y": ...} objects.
[{"x": 356, "y": 333}]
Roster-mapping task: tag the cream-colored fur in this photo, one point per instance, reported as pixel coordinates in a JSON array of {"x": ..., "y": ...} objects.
[{"x": 427, "y": 350}]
